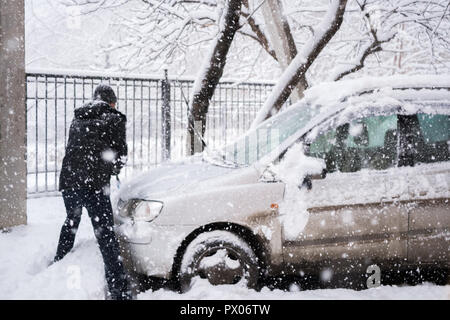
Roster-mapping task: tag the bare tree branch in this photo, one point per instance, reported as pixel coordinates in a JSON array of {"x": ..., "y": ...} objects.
[
  {"x": 260, "y": 36},
  {"x": 372, "y": 47}
]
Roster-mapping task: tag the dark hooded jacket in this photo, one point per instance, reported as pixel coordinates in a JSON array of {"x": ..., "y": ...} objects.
[{"x": 96, "y": 148}]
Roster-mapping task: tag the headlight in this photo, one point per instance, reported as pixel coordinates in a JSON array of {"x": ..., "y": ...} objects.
[
  {"x": 147, "y": 210},
  {"x": 123, "y": 208}
]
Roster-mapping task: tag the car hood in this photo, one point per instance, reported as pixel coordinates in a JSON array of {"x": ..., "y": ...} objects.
[{"x": 171, "y": 179}]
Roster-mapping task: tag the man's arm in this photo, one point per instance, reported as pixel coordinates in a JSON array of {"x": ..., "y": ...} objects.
[{"x": 119, "y": 144}]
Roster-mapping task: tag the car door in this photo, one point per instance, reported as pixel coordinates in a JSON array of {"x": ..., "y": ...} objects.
[
  {"x": 352, "y": 216},
  {"x": 425, "y": 146}
]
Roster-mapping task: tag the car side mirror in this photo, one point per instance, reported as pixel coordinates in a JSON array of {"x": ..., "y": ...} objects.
[
  {"x": 268, "y": 176},
  {"x": 307, "y": 181}
]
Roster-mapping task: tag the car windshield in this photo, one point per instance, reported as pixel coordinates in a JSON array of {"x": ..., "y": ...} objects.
[{"x": 259, "y": 142}]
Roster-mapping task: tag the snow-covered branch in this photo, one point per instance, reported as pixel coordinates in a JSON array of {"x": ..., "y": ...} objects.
[
  {"x": 150, "y": 35},
  {"x": 365, "y": 50},
  {"x": 257, "y": 30}
]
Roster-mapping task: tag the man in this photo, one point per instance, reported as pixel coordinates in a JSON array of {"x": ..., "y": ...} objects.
[{"x": 96, "y": 150}]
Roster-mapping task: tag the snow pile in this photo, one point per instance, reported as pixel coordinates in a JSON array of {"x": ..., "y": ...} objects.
[
  {"x": 292, "y": 170},
  {"x": 27, "y": 252},
  {"x": 203, "y": 290}
]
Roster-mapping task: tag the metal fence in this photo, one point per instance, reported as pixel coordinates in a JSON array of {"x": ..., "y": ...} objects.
[{"x": 51, "y": 99}]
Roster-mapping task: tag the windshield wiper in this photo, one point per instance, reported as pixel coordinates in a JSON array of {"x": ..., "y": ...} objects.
[
  {"x": 219, "y": 159},
  {"x": 199, "y": 135}
]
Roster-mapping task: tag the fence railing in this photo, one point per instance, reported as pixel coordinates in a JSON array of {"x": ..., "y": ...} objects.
[{"x": 51, "y": 99}]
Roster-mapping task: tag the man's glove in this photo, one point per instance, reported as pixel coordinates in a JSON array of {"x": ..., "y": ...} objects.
[
  {"x": 118, "y": 164},
  {"x": 115, "y": 171}
]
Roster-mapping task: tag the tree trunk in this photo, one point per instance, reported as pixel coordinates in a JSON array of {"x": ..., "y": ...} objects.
[
  {"x": 210, "y": 74},
  {"x": 297, "y": 69},
  {"x": 281, "y": 40}
]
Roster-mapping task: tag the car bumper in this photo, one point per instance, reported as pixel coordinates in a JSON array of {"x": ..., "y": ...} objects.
[{"x": 150, "y": 249}]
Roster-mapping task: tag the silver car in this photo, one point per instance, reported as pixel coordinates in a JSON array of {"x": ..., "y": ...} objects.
[{"x": 382, "y": 198}]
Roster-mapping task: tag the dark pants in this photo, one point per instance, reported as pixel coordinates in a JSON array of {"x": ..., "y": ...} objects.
[{"x": 99, "y": 208}]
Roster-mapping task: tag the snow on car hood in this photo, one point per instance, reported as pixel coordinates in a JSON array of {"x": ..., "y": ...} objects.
[{"x": 175, "y": 177}]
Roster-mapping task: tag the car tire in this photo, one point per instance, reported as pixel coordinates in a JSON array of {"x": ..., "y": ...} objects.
[{"x": 221, "y": 257}]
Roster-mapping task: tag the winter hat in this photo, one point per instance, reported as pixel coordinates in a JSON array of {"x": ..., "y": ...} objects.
[{"x": 105, "y": 93}]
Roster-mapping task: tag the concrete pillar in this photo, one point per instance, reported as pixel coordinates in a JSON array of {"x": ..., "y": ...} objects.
[{"x": 13, "y": 170}]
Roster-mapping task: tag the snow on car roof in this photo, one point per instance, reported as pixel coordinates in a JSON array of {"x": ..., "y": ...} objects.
[
  {"x": 331, "y": 97},
  {"x": 412, "y": 93},
  {"x": 435, "y": 87},
  {"x": 407, "y": 94},
  {"x": 367, "y": 96}
]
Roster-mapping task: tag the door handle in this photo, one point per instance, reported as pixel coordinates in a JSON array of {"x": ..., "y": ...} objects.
[{"x": 421, "y": 193}]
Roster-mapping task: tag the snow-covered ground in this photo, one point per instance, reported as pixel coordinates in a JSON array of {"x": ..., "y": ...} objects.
[{"x": 26, "y": 252}]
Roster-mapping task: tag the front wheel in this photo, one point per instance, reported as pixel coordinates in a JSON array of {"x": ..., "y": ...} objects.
[{"x": 221, "y": 257}]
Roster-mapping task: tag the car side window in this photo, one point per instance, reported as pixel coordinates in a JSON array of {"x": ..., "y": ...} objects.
[
  {"x": 367, "y": 143},
  {"x": 425, "y": 138}
]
